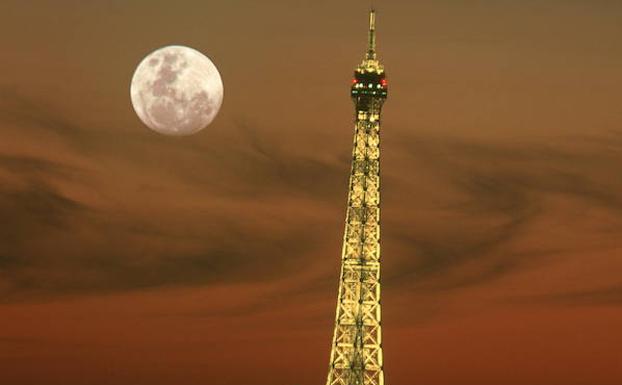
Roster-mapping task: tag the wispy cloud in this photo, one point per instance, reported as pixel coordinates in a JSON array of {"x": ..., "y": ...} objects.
[
  {"x": 496, "y": 192},
  {"x": 247, "y": 207}
]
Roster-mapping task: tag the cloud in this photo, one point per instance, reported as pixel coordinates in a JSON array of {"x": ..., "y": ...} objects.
[
  {"x": 93, "y": 214},
  {"x": 117, "y": 259},
  {"x": 611, "y": 295},
  {"x": 72, "y": 226},
  {"x": 492, "y": 196}
]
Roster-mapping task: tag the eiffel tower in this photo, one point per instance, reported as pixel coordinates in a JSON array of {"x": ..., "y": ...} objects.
[{"x": 356, "y": 355}]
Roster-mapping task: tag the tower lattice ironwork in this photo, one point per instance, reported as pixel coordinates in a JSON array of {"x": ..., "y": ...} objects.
[{"x": 356, "y": 355}]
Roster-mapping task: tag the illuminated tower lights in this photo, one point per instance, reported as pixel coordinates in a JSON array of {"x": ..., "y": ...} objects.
[{"x": 356, "y": 354}]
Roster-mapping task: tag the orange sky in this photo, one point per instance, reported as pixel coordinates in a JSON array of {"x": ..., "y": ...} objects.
[{"x": 131, "y": 258}]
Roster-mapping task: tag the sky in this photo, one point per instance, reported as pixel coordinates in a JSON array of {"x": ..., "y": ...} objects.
[{"x": 128, "y": 257}]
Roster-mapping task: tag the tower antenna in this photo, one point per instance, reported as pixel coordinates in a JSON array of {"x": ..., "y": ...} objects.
[{"x": 371, "y": 44}]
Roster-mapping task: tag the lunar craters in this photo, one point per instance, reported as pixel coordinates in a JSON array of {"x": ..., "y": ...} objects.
[{"x": 176, "y": 90}]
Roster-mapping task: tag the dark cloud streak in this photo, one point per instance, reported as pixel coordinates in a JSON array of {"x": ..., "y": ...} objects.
[
  {"x": 499, "y": 191},
  {"x": 502, "y": 190}
]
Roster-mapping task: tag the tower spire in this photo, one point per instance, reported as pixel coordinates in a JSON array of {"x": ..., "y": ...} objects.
[
  {"x": 371, "y": 44},
  {"x": 370, "y": 62}
]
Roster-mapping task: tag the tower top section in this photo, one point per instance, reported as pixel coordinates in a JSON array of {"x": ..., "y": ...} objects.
[{"x": 371, "y": 63}]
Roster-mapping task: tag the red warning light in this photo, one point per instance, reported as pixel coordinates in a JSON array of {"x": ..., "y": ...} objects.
[
  {"x": 354, "y": 81},
  {"x": 383, "y": 82}
]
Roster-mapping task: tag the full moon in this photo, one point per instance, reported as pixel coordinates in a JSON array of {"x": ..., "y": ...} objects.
[{"x": 176, "y": 90}]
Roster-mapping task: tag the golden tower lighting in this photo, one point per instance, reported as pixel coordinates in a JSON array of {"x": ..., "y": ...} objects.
[{"x": 356, "y": 355}]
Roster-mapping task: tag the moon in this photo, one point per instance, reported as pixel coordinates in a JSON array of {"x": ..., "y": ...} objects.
[{"x": 176, "y": 90}]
